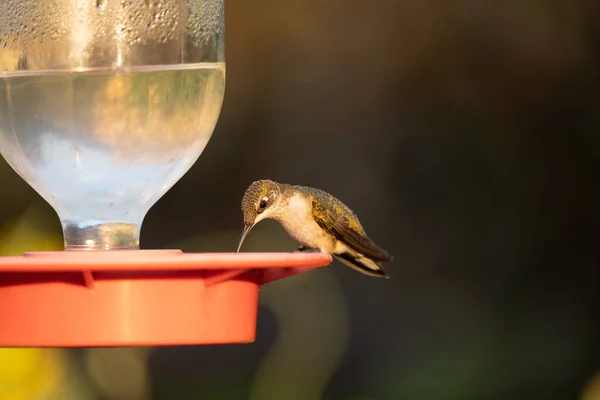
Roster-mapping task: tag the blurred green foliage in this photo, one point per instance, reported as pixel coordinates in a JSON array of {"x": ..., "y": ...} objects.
[{"x": 30, "y": 231}]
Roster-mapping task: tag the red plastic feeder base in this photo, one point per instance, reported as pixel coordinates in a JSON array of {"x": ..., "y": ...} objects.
[{"x": 137, "y": 298}]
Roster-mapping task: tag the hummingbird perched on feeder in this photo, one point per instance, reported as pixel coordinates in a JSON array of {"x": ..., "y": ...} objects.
[{"x": 315, "y": 219}]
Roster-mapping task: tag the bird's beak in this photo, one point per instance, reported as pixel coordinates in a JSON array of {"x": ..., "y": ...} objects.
[{"x": 247, "y": 229}]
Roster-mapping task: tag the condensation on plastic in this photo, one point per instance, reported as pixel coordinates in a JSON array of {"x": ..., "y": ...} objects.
[{"x": 56, "y": 34}]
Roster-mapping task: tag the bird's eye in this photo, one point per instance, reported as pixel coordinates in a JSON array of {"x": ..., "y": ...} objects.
[{"x": 263, "y": 203}]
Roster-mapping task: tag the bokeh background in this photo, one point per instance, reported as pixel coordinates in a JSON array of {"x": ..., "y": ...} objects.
[{"x": 465, "y": 134}]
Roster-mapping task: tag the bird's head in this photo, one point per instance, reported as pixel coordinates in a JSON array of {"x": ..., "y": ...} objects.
[{"x": 259, "y": 202}]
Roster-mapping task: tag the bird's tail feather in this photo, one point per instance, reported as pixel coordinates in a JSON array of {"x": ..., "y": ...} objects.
[{"x": 363, "y": 265}]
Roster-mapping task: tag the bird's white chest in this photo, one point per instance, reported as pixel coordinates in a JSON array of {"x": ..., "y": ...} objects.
[{"x": 298, "y": 222}]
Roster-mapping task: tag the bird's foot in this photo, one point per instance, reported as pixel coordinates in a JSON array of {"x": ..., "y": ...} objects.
[{"x": 304, "y": 249}]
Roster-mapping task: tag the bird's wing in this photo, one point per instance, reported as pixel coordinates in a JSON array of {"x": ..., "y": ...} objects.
[{"x": 339, "y": 226}]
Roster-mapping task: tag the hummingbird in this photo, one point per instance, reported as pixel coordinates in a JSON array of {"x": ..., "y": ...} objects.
[{"x": 317, "y": 221}]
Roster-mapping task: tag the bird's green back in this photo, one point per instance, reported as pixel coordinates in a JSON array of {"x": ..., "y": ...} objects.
[{"x": 331, "y": 203}]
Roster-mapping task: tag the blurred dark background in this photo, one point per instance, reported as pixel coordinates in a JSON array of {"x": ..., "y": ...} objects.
[{"x": 465, "y": 134}]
